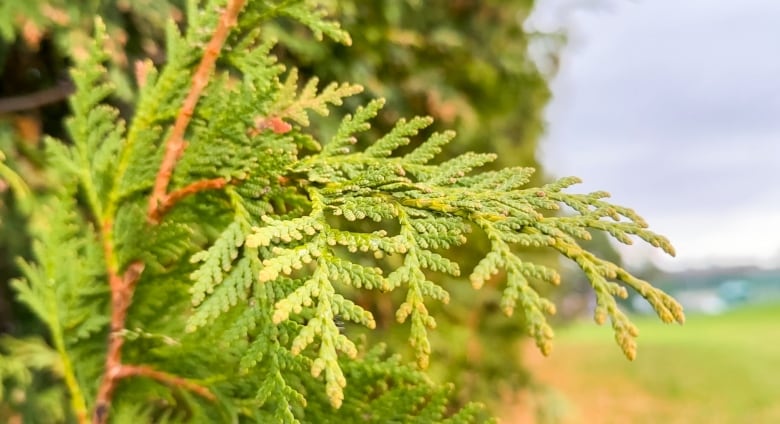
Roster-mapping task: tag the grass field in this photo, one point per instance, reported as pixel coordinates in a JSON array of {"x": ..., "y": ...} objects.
[{"x": 714, "y": 369}]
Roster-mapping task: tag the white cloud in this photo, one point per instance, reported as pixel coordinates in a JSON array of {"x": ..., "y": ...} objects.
[{"x": 674, "y": 107}]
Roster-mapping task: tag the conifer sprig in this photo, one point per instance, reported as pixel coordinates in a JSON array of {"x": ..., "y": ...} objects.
[
  {"x": 435, "y": 204},
  {"x": 221, "y": 269},
  {"x": 98, "y": 135}
]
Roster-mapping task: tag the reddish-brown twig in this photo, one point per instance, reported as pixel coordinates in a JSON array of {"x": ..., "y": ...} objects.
[
  {"x": 122, "y": 287},
  {"x": 170, "y": 199},
  {"x": 165, "y": 378},
  {"x": 175, "y": 145}
]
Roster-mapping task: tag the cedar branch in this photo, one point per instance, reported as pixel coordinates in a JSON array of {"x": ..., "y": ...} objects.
[
  {"x": 122, "y": 287},
  {"x": 175, "y": 145}
]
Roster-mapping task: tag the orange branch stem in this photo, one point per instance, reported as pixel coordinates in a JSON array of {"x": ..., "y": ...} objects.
[
  {"x": 170, "y": 199},
  {"x": 123, "y": 286},
  {"x": 175, "y": 145},
  {"x": 163, "y": 377}
]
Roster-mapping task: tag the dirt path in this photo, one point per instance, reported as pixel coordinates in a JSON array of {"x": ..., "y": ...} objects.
[{"x": 568, "y": 394}]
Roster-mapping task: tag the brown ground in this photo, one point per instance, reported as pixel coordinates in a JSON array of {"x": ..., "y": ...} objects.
[{"x": 571, "y": 397}]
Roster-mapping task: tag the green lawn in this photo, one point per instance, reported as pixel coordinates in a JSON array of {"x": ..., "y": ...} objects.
[{"x": 714, "y": 369}]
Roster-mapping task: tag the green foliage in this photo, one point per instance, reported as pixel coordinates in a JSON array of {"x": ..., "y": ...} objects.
[
  {"x": 67, "y": 21},
  {"x": 24, "y": 365},
  {"x": 403, "y": 53},
  {"x": 467, "y": 64},
  {"x": 244, "y": 297}
]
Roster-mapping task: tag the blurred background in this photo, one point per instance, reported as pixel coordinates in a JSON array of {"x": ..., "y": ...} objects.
[
  {"x": 674, "y": 108},
  {"x": 671, "y": 106}
]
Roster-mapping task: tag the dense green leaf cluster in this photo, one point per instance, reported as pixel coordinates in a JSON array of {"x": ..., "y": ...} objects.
[
  {"x": 247, "y": 290},
  {"x": 467, "y": 64},
  {"x": 404, "y": 51}
]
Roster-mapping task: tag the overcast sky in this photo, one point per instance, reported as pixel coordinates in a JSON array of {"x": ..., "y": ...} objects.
[{"x": 674, "y": 107}]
